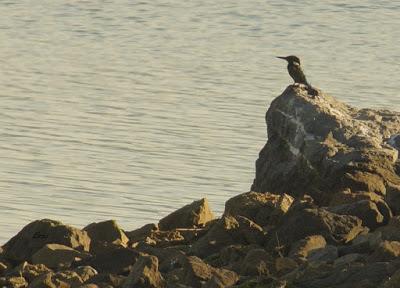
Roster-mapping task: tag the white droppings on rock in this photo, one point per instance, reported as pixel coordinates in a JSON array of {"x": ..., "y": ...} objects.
[{"x": 301, "y": 135}]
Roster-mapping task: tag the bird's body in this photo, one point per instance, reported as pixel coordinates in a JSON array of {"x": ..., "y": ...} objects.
[{"x": 296, "y": 72}]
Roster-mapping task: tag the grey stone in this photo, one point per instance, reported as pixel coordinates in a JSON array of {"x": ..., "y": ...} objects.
[{"x": 319, "y": 145}]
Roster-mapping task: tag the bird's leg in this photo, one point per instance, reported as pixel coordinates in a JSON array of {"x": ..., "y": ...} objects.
[{"x": 312, "y": 91}]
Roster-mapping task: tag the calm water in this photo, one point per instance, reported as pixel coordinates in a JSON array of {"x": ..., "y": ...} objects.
[{"x": 129, "y": 110}]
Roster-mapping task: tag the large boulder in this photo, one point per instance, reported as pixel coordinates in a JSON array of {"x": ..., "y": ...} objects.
[
  {"x": 196, "y": 214},
  {"x": 305, "y": 220},
  {"x": 318, "y": 145},
  {"x": 356, "y": 274},
  {"x": 347, "y": 197},
  {"x": 141, "y": 233},
  {"x": 222, "y": 278},
  {"x": 106, "y": 231},
  {"x": 56, "y": 256},
  {"x": 302, "y": 248},
  {"x": 256, "y": 263},
  {"x": 227, "y": 231},
  {"x": 41, "y": 232},
  {"x": 196, "y": 273},
  {"x": 366, "y": 210},
  {"x": 386, "y": 251},
  {"x": 265, "y": 209},
  {"x": 145, "y": 274},
  {"x": 114, "y": 259},
  {"x": 390, "y": 231}
]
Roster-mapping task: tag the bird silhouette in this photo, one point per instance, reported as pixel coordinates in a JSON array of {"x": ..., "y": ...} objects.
[{"x": 296, "y": 72}]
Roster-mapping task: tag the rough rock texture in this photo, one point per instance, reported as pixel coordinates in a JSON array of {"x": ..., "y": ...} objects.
[
  {"x": 265, "y": 209},
  {"x": 302, "y": 248},
  {"x": 115, "y": 259},
  {"x": 106, "y": 231},
  {"x": 195, "y": 214},
  {"x": 365, "y": 210},
  {"x": 229, "y": 230},
  {"x": 141, "y": 233},
  {"x": 257, "y": 262},
  {"x": 307, "y": 220},
  {"x": 64, "y": 279},
  {"x": 56, "y": 255},
  {"x": 41, "y": 232},
  {"x": 145, "y": 274},
  {"x": 319, "y": 146},
  {"x": 197, "y": 273}
]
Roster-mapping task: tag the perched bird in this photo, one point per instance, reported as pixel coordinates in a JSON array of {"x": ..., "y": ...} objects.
[{"x": 297, "y": 73}]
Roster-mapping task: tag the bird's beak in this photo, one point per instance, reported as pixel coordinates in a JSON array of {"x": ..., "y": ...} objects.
[{"x": 284, "y": 58}]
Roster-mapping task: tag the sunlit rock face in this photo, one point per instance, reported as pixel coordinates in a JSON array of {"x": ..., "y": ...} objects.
[{"x": 320, "y": 146}]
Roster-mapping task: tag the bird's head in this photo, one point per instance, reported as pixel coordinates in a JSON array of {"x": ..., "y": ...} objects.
[{"x": 291, "y": 59}]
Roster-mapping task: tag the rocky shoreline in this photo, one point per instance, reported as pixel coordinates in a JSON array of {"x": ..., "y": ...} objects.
[{"x": 323, "y": 212}]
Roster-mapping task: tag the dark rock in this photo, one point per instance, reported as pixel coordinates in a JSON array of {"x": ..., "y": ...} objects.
[
  {"x": 145, "y": 274},
  {"x": 349, "y": 258},
  {"x": 141, "y": 233},
  {"x": 85, "y": 272},
  {"x": 256, "y": 263},
  {"x": 29, "y": 271},
  {"x": 196, "y": 272},
  {"x": 164, "y": 238},
  {"x": 196, "y": 214},
  {"x": 169, "y": 258},
  {"x": 106, "y": 231},
  {"x": 265, "y": 209},
  {"x": 57, "y": 255},
  {"x": 175, "y": 237},
  {"x": 361, "y": 248},
  {"x": 41, "y": 232},
  {"x": 193, "y": 234},
  {"x": 284, "y": 265},
  {"x": 386, "y": 251},
  {"x": 354, "y": 275},
  {"x": 303, "y": 247},
  {"x": 392, "y": 196},
  {"x": 263, "y": 282},
  {"x": 393, "y": 281},
  {"x": 324, "y": 146},
  {"x": 107, "y": 280},
  {"x": 222, "y": 278},
  {"x": 64, "y": 279},
  {"x": 328, "y": 254},
  {"x": 227, "y": 231},
  {"x": 366, "y": 210},
  {"x": 347, "y": 197},
  {"x": 115, "y": 260},
  {"x": 301, "y": 222},
  {"x": 231, "y": 256},
  {"x": 391, "y": 231}
]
